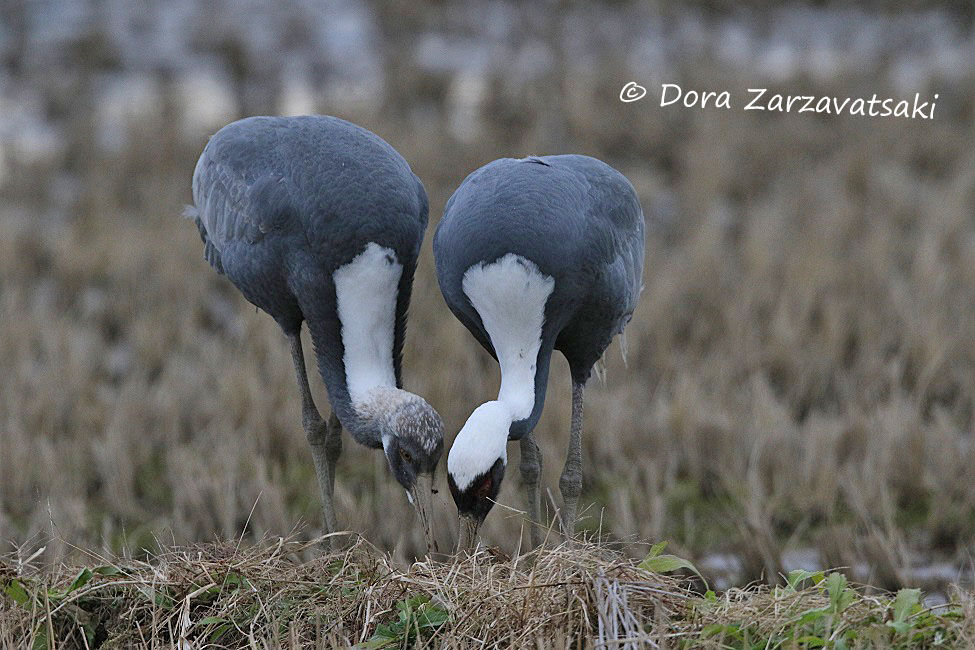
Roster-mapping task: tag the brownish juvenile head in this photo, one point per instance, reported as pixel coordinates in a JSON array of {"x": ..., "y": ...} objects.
[{"x": 412, "y": 438}]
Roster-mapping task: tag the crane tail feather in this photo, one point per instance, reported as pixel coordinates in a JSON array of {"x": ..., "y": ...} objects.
[
  {"x": 599, "y": 368},
  {"x": 210, "y": 252}
]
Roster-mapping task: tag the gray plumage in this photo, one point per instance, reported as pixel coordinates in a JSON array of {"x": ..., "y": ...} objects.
[
  {"x": 281, "y": 204},
  {"x": 580, "y": 222},
  {"x": 575, "y": 217}
]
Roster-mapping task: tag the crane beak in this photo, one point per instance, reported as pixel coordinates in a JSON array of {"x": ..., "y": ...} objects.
[
  {"x": 467, "y": 533},
  {"x": 421, "y": 496}
]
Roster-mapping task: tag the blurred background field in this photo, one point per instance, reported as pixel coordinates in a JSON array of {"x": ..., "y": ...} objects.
[{"x": 800, "y": 387}]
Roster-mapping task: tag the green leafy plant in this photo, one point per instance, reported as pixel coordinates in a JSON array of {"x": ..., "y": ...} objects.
[
  {"x": 906, "y": 602},
  {"x": 658, "y": 563},
  {"x": 797, "y": 577},
  {"x": 417, "y": 618}
]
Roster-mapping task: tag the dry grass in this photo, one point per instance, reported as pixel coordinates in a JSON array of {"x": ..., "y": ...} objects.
[
  {"x": 234, "y": 597},
  {"x": 228, "y": 596}
]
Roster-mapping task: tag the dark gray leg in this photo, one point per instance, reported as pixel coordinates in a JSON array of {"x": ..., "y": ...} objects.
[
  {"x": 571, "y": 481},
  {"x": 333, "y": 447},
  {"x": 531, "y": 471},
  {"x": 325, "y": 438}
]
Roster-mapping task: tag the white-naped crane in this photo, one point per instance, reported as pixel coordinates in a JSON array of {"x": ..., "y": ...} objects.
[
  {"x": 534, "y": 255},
  {"x": 318, "y": 220}
]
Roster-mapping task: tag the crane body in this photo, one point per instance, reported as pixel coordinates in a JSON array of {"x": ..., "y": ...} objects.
[
  {"x": 535, "y": 255},
  {"x": 317, "y": 220}
]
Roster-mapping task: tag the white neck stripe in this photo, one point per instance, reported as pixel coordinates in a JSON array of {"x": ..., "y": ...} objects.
[
  {"x": 509, "y": 296},
  {"x": 366, "y": 292}
]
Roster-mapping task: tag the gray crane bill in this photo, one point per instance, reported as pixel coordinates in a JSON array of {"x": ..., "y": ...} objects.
[
  {"x": 421, "y": 496},
  {"x": 467, "y": 533}
]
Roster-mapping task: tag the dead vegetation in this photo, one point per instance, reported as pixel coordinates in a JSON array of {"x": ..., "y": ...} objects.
[{"x": 231, "y": 596}]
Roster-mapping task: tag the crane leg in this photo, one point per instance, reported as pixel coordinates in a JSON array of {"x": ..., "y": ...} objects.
[
  {"x": 325, "y": 438},
  {"x": 531, "y": 470},
  {"x": 570, "y": 483},
  {"x": 333, "y": 448}
]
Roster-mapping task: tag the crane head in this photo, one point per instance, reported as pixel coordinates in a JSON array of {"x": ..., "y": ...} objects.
[
  {"x": 475, "y": 467},
  {"x": 413, "y": 443}
]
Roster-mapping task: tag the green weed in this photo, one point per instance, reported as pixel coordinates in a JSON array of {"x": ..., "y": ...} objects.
[{"x": 417, "y": 618}]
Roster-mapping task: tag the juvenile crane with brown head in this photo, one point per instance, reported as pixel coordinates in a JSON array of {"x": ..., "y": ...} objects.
[{"x": 318, "y": 220}]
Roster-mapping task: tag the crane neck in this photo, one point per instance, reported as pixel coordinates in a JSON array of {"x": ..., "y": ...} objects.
[
  {"x": 375, "y": 409},
  {"x": 361, "y": 373},
  {"x": 523, "y": 389},
  {"x": 361, "y": 406},
  {"x": 510, "y": 295},
  {"x": 517, "y": 390},
  {"x": 370, "y": 420}
]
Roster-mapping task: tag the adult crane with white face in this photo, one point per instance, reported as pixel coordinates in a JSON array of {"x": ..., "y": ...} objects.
[
  {"x": 534, "y": 255},
  {"x": 318, "y": 220}
]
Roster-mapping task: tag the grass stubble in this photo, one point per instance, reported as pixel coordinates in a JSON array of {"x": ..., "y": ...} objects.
[{"x": 583, "y": 594}]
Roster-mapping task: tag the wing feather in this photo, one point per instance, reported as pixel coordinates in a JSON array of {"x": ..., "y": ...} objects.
[{"x": 231, "y": 209}]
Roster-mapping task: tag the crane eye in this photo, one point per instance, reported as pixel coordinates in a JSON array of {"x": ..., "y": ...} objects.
[
  {"x": 405, "y": 455},
  {"x": 484, "y": 489}
]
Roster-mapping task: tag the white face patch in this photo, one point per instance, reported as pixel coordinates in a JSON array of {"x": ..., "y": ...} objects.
[
  {"x": 510, "y": 296},
  {"x": 366, "y": 291},
  {"x": 482, "y": 441}
]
